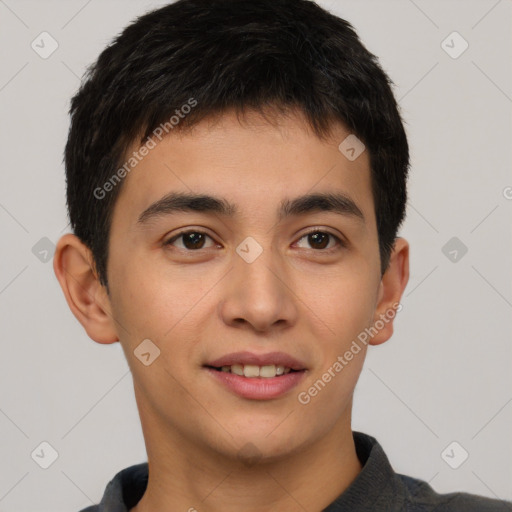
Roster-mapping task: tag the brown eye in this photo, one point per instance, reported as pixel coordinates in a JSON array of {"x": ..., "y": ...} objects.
[
  {"x": 191, "y": 240},
  {"x": 319, "y": 240}
]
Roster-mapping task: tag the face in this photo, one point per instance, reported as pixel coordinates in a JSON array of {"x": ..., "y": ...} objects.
[{"x": 256, "y": 278}]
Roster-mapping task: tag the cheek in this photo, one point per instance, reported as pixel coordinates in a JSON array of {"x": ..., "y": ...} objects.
[
  {"x": 167, "y": 310},
  {"x": 151, "y": 301},
  {"x": 151, "y": 306},
  {"x": 341, "y": 305}
]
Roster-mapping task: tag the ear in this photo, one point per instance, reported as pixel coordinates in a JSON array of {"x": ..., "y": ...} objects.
[
  {"x": 391, "y": 288},
  {"x": 86, "y": 297}
]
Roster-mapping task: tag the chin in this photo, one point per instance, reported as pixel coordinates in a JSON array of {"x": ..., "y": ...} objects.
[{"x": 271, "y": 443}]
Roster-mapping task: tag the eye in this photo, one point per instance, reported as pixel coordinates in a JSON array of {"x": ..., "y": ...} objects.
[
  {"x": 193, "y": 240},
  {"x": 320, "y": 239}
]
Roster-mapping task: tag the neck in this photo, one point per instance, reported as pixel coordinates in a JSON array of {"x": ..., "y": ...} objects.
[{"x": 183, "y": 476}]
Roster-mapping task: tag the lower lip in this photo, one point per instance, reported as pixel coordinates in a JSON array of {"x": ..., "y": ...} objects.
[{"x": 258, "y": 388}]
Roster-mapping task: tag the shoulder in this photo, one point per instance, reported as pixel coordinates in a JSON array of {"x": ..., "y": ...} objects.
[
  {"x": 124, "y": 491},
  {"x": 421, "y": 497}
]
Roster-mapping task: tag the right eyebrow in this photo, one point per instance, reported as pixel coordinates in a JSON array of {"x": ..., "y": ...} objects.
[{"x": 182, "y": 202}]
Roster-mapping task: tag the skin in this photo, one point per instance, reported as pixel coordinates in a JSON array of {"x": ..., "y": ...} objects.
[{"x": 199, "y": 306}]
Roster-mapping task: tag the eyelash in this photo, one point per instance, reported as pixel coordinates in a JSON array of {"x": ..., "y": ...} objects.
[{"x": 340, "y": 243}]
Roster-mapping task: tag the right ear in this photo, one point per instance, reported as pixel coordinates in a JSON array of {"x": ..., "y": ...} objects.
[{"x": 87, "y": 298}]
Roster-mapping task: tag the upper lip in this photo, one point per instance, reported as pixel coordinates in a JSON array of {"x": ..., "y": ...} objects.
[{"x": 270, "y": 358}]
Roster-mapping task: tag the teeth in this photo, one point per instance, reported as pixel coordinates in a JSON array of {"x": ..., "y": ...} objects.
[
  {"x": 237, "y": 368},
  {"x": 267, "y": 371},
  {"x": 252, "y": 370}
]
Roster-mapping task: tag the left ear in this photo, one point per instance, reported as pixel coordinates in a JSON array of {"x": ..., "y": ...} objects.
[{"x": 391, "y": 288}]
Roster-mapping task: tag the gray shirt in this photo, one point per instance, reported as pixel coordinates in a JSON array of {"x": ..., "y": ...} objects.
[{"x": 377, "y": 488}]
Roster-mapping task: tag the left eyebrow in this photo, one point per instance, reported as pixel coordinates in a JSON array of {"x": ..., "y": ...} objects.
[{"x": 338, "y": 203}]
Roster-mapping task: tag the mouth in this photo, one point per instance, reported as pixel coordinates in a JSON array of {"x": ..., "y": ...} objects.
[
  {"x": 257, "y": 377},
  {"x": 252, "y": 371}
]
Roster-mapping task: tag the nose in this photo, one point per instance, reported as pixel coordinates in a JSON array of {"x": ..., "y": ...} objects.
[{"x": 259, "y": 294}]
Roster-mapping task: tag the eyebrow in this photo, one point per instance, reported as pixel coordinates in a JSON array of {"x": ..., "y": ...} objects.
[{"x": 338, "y": 203}]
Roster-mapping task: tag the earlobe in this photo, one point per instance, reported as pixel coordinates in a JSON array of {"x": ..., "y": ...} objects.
[
  {"x": 86, "y": 297},
  {"x": 391, "y": 289}
]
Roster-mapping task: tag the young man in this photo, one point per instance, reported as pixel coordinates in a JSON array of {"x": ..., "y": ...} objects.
[{"x": 236, "y": 176}]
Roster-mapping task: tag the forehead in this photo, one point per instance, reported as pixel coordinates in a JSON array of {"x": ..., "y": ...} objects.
[{"x": 256, "y": 163}]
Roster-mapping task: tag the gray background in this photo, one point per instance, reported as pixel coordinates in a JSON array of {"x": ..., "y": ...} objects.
[{"x": 444, "y": 376}]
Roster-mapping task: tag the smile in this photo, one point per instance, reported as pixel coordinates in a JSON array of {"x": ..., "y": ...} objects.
[{"x": 253, "y": 371}]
